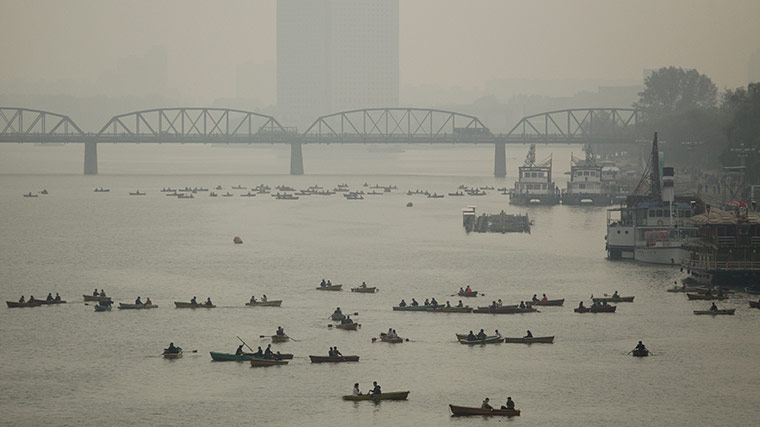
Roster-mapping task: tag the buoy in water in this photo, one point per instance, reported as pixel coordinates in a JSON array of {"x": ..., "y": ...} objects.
[{"x": 237, "y": 240}]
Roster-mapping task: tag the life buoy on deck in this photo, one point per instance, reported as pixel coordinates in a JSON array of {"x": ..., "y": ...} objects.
[{"x": 659, "y": 222}]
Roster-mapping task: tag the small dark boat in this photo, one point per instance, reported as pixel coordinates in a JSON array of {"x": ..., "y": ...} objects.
[
  {"x": 96, "y": 298},
  {"x": 706, "y": 297},
  {"x": 596, "y": 309},
  {"x": 51, "y": 302},
  {"x": 230, "y": 357},
  {"x": 333, "y": 359},
  {"x": 440, "y": 309},
  {"x": 172, "y": 355},
  {"x": 365, "y": 290},
  {"x": 413, "y": 308},
  {"x": 179, "y": 304},
  {"x": 103, "y": 307},
  {"x": 548, "y": 302},
  {"x": 716, "y": 312},
  {"x": 530, "y": 340},
  {"x": 640, "y": 353},
  {"x": 348, "y": 326},
  {"x": 280, "y": 338},
  {"x": 754, "y": 304},
  {"x": 494, "y": 339},
  {"x": 467, "y": 411},
  {"x": 273, "y": 303},
  {"x": 124, "y": 306},
  {"x": 505, "y": 310},
  {"x": 330, "y": 288},
  {"x": 467, "y": 294},
  {"x": 394, "y": 340},
  {"x": 256, "y": 362},
  {"x": 612, "y": 299},
  {"x": 15, "y": 304},
  {"x": 393, "y": 395}
]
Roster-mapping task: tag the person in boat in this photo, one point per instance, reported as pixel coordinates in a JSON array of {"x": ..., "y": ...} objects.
[
  {"x": 415, "y": 303},
  {"x": 720, "y": 292},
  {"x": 497, "y": 333},
  {"x": 49, "y": 297},
  {"x": 433, "y": 302},
  {"x": 208, "y": 302},
  {"x": 580, "y": 305},
  {"x": 239, "y": 351},
  {"x": 535, "y": 298},
  {"x": 461, "y": 290},
  {"x": 471, "y": 337},
  {"x": 493, "y": 304},
  {"x": 522, "y": 304},
  {"x": 322, "y": 284},
  {"x": 427, "y": 302},
  {"x": 356, "y": 391},
  {"x": 331, "y": 353},
  {"x": 460, "y": 304},
  {"x": 31, "y": 299},
  {"x": 336, "y": 352},
  {"x": 363, "y": 285},
  {"x": 21, "y": 300},
  {"x": 337, "y": 312},
  {"x": 528, "y": 335},
  {"x": 499, "y": 303},
  {"x": 148, "y": 301},
  {"x": 172, "y": 349},
  {"x": 616, "y": 295},
  {"x": 95, "y": 292},
  {"x": 280, "y": 331},
  {"x": 264, "y": 298},
  {"x": 57, "y": 297},
  {"x": 486, "y": 405},
  {"x": 268, "y": 352},
  {"x": 194, "y": 301},
  {"x": 375, "y": 388},
  {"x": 259, "y": 353},
  {"x": 640, "y": 346},
  {"x": 448, "y": 305},
  {"x": 509, "y": 405},
  {"x": 346, "y": 320},
  {"x": 138, "y": 302},
  {"x": 713, "y": 307},
  {"x": 544, "y": 298},
  {"x": 481, "y": 335},
  {"x": 402, "y": 303},
  {"x": 102, "y": 303},
  {"x": 468, "y": 290},
  {"x": 329, "y": 283},
  {"x": 102, "y": 293}
]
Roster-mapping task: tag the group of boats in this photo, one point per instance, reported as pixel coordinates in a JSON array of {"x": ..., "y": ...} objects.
[{"x": 30, "y": 194}]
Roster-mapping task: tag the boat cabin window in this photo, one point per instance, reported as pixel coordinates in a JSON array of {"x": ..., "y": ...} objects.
[{"x": 651, "y": 213}]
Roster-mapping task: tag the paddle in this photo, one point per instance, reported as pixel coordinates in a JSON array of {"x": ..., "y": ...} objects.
[{"x": 244, "y": 343}]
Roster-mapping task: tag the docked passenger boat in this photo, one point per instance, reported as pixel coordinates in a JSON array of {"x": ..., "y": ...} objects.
[
  {"x": 393, "y": 395},
  {"x": 492, "y": 339},
  {"x": 330, "y": 288},
  {"x": 439, "y": 309},
  {"x": 467, "y": 411},
  {"x": 654, "y": 224},
  {"x": 640, "y": 352},
  {"x": 256, "y": 362},
  {"x": 548, "y": 302},
  {"x": 534, "y": 185},
  {"x": 706, "y": 297},
  {"x": 612, "y": 299},
  {"x": 505, "y": 310},
  {"x": 179, "y": 304},
  {"x": 280, "y": 338},
  {"x": 596, "y": 308},
  {"x": 716, "y": 312},
  {"x": 468, "y": 294},
  {"x": 96, "y": 298},
  {"x": 348, "y": 326},
  {"x": 364, "y": 290},
  {"x": 585, "y": 186},
  {"x": 333, "y": 359},
  {"x": 530, "y": 340},
  {"x": 273, "y": 303},
  {"x": 413, "y": 308},
  {"x": 230, "y": 357},
  {"x": 124, "y": 306},
  {"x": 16, "y": 304}
]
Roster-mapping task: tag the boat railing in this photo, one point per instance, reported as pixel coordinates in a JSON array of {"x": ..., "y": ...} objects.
[{"x": 722, "y": 265}]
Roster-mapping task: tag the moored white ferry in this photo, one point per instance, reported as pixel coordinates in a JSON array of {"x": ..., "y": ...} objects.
[
  {"x": 534, "y": 185},
  {"x": 585, "y": 186}
]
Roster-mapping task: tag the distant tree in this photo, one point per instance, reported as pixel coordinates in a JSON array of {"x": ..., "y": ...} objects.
[{"x": 675, "y": 90}]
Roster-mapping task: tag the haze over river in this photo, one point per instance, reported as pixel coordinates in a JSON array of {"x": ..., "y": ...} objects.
[{"x": 68, "y": 365}]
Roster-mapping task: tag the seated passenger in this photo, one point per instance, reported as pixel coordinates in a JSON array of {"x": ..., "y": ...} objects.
[
  {"x": 57, "y": 297},
  {"x": 615, "y": 295},
  {"x": 364, "y": 285},
  {"x": 544, "y": 298},
  {"x": 580, "y": 305},
  {"x": 486, "y": 405},
  {"x": 356, "y": 391},
  {"x": 102, "y": 293},
  {"x": 268, "y": 352},
  {"x": 448, "y": 305},
  {"x": 461, "y": 291},
  {"x": 713, "y": 307},
  {"x": 522, "y": 304},
  {"x": 21, "y": 300},
  {"x": 253, "y": 299},
  {"x": 148, "y": 301},
  {"x": 427, "y": 302},
  {"x": 402, "y": 303},
  {"x": 497, "y": 333},
  {"x": 415, "y": 303},
  {"x": 640, "y": 346},
  {"x": 172, "y": 349},
  {"x": 259, "y": 353},
  {"x": 499, "y": 303},
  {"x": 336, "y": 352},
  {"x": 49, "y": 297},
  {"x": 433, "y": 302},
  {"x": 376, "y": 388},
  {"x": 528, "y": 335},
  {"x": 471, "y": 337},
  {"x": 460, "y": 304},
  {"x": 193, "y": 301},
  {"x": 280, "y": 331},
  {"x": 322, "y": 284},
  {"x": 510, "y": 405},
  {"x": 535, "y": 298},
  {"x": 95, "y": 292},
  {"x": 468, "y": 289},
  {"x": 138, "y": 302},
  {"x": 482, "y": 335},
  {"x": 264, "y": 298},
  {"x": 208, "y": 302}
]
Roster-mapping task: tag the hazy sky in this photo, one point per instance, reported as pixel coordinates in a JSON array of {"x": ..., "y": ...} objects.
[{"x": 448, "y": 43}]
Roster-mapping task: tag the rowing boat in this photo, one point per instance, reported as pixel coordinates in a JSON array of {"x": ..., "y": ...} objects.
[
  {"x": 716, "y": 312},
  {"x": 53, "y": 302},
  {"x": 754, "y": 304},
  {"x": 280, "y": 338},
  {"x": 172, "y": 355},
  {"x": 14, "y": 304},
  {"x": 330, "y": 288},
  {"x": 348, "y": 326},
  {"x": 612, "y": 299},
  {"x": 361, "y": 290},
  {"x": 684, "y": 289},
  {"x": 466, "y": 411},
  {"x": 413, "y": 308},
  {"x": 393, "y": 395},
  {"x": 136, "y": 306},
  {"x": 255, "y": 362},
  {"x": 273, "y": 303},
  {"x": 547, "y": 302},
  {"x": 102, "y": 308},
  {"x": 596, "y": 309},
  {"x": 640, "y": 353},
  {"x": 337, "y": 317},
  {"x": 706, "y": 297},
  {"x": 333, "y": 359},
  {"x": 467, "y": 309},
  {"x": 505, "y": 310},
  {"x": 494, "y": 339},
  {"x": 229, "y": 357},
  {"x": 96, "y": 298},
  {"x": 179, "y": 304},
  {"x": 530, "y": 340},
  {"x": 468, "y": 294},
  {"x": 395, "y": 340}
]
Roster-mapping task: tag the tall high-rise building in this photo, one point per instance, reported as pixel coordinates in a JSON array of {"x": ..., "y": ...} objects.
[{"x": 335, "y": 55}]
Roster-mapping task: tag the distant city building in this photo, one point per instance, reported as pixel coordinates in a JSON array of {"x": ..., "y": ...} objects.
[
  {"x": 335, "y": 55},
  {"x": 753, "y": 68}
]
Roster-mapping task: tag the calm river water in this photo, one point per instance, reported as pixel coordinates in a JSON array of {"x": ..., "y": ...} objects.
[{"x": 67, "y": 365}]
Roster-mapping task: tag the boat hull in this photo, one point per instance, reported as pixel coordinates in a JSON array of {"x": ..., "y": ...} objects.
[
  {"x": 413, "y": 308},
  {"x": 16, "y": 304},
  {"x": 468, "y": 294},
  {"x": 136, "y": 306},
  {"x": 371, "y": 290},
  {"x": 333, "y": 359},
  {"x": 229, "y": 357},
  {"x": 330, "y": 288},
  {"x": 172, "y": 355},
  {"x": 597, "y": 309},
  {"x": 450, "y": 310},
  {"x": 273, "y": 303},
  {"x": 495, "y": 339},
  {"x": 256, "y": 362},
  {"x": 348, "y": 326},
  {"x": 505, "y": 310},
  {"x": 394, "y": 395},
  {"x": 553, "y": 302},
  {"x": 754, "y": 304},
  {"x": 94, "y": 298},
  {"x": 729, "y": 312},
  {"x": 640, "y": 353},
  {"x": 705, "y": 297},
  {"x": 533, "y": 340},
  {"x": 280, "y": 338},
  {"x": 468, "y": 411},
  {"x": 179, "y": 304},
  {"x": 613, "y": 299}
]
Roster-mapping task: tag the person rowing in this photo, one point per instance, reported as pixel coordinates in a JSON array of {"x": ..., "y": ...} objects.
[
  {"x": 616, "y": 295},
  {"x": 363, "y": 285},
  {"x": 337, "y": 312},
  {"x": 522, "y": 304},
  {"x": 497, "y": 333},
  {"x": 460, "y": 304},
  {"x": 461, "y": 290},
  {"x": 448, "y": 305},
  {"x": 57, "y": 297},
  {"x": 95, "y": 293},
  {"x": 280, "y": 331},
  {"x": 433, "y": 302},
  {"x": 481, "y": 335},
  {"x": 322, "y": 284},
  {"x": 138, "y": 302},
  {"x": 713, "y": 307},
  {"x": 580, "y": 306},
  {"x": 259, "y": 353},
  {"x": 264, "y": 298},
  {"x": 427, "y": 302},
  {"x": 375, "y": 388},
  {"x": 102, "y": 293},
  {"x": 253, "y": 300},
  {"x": 268, "y": 352},
  {"x": 499, "y": 303},
  {"x": 346, "y": 321},
  {"x": 493, "y": 304},
  {"x": 535, "y": 298},
  {"x": 21, "y": 300},
  {"x": 194, "y": 301},
  {"x": 239, "y": 351},
  {"x": 172, "y": 349},
  {"x": 640, "y": 347}
]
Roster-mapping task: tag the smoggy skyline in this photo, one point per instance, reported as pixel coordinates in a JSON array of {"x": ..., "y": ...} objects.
[{"x": 200, "y": 51}]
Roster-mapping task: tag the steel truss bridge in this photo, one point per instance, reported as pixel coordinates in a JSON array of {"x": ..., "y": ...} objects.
[{"x": 365, "y": 126}]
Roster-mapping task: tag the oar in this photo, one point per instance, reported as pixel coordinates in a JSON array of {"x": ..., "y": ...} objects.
[
  {"x": 249, "y": 347},
  {"x": 630, "y": 352}
]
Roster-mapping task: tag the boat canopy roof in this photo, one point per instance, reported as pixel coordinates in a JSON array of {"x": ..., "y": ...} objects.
[{"x": 721, "y": 217}]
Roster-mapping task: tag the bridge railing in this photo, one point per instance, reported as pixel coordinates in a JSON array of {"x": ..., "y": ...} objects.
[
  {"x": 578, "y": 123},
  {"x": 30, "y": 124}
]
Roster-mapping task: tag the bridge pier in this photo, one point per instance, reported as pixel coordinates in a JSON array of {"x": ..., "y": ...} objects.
[
  {"x": 296, "y": 159},
  {"x": 500, "y": 160},
  {"x": 91, "y": 158}
]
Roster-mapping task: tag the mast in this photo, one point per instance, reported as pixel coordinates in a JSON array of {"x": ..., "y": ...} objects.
[{"x": 654, "y": 173}]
